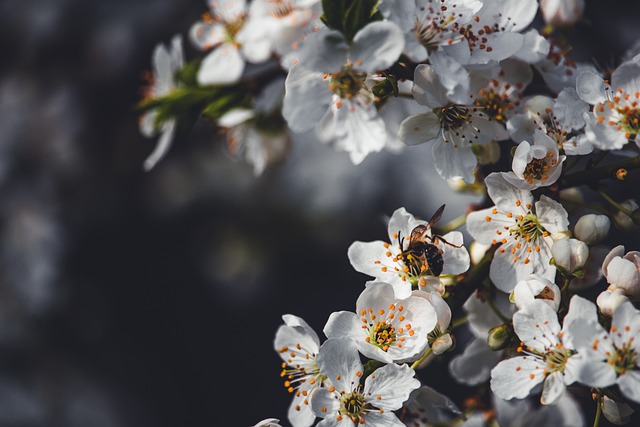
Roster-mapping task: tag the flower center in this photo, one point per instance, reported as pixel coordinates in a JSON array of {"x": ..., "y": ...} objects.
[
  {"x": 528, "y": 228},
  {"x": 494, "y": 104},
  {"x": 453, "y": 116},
  {"x": 538, "y": 168},
  {"x": 556, "y": 359},
  {"x": 347, "y": 83},
  {"x": 623, "y": 359},
  {"x": 383, "y": 335},
  {"x": 380, "y": 326},
  {"x": 354, "y": 406}
]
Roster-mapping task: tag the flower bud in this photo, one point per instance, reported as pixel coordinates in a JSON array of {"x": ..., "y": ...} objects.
[
  {"x": 442, "y": 344},
  {"x": 592, "y": 228},
  {"x": 561, "y": 12},
  {"x": 499, "y": 337},
  {"x": 569, "y": 255},
  {"x": 488, "y": 153},
  {"x": 622, "y": 271},
  {"x": 616, "y": 412},
  {"x": 536, "y": 287},
  {"x": 622, "y": 220},
  {"x": 608, "y": 301}
]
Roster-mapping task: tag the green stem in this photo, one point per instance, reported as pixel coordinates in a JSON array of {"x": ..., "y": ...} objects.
[
  {"x": 596, "y": 421},
  {"x": 565, "y": 286},
  {"x": 453, "y": 224},
  {"x": 418, "y": 362},
  {"x": 593, "y": 175},
  {"x": 615, "y": 204},
  {"x": 459, "y": 322}
]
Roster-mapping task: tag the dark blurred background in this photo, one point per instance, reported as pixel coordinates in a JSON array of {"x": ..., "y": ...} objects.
[{"x": 131, "y": 298}]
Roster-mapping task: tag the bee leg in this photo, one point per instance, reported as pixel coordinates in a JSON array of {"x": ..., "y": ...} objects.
[{"x": 449, "y": 243}]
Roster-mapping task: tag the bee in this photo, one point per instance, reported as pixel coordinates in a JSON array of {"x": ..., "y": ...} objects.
[{"x": 422, "y": 256}]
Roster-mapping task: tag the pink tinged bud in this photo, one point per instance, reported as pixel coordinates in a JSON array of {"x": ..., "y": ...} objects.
[
  {"x": 442, "y": 344},
  {"x": 561, "y": 12},
  {"x": 592, "y": 228},
  {"x": 608, "y": 301},
  {"x": 570, "y": 255}
]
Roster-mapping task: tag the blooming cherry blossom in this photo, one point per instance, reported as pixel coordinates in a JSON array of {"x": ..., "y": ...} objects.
[
  {"x": 385, "y": 260},
  {"x": 536, "y": 288},
  {"x": 622, "y": 271},
  {"x": 550, "y": 357},
  {"x": 384, "y": 327},
  {"x": 298, "y": 346},
  {"x": 346, "y": 401},
  {"x": 166, "y": 62},
  {"x": 331, "y": 87},
  {"x": 217, "y": 31},
  {"x": 452, "y": 126},
  {"x": 523, "y": 230},
  {"x": 536, "y": 165}
]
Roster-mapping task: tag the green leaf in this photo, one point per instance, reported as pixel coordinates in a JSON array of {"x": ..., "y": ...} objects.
[{"x": 349, "y": 16}]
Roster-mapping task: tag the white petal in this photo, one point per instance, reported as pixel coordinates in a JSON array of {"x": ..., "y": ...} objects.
[
  {"x": 503, "y": 45},
  {"x": 363, "y": 256},
  {"x": 552, "y": 215},
  {"x": 324, "y": 404},
  {"x": 456, "y": 260},
  {"x": 553, "y": 388},
  {"x": 622, "y": 273},
  {"x": 536, "y": 324},
  {"x": 590, "y": 87},
  {"x": 504, "y": 194},
  {"x": 427, "y": 89},
  {"x": 343, "y": 324},
  {"x": 300, "y": 413},
  {"x": 516, "y": 377},
  {"x": 224, "y": 65},
  {"x": 569, "y": 109},
  {"x": 627, "y": 77},
  {"x": 325, "y": 51},
  {"x": 474, "y": 365},
  {"x": 534, "y": 49},
  {"x": 515, "y": 16},
  {"x": 307, "y": 99},
  {"x": 419, "y": 128},
  {"x": 339, "y": 360},
  {"x": 390, "y": 386},
  {"x": 453, "y": 162},
  {"x": 482, "y": 230},
  {"x": 453, "y": 76},
  {"x": 376, "y": 46},
  {"x": 164, "y": 142},
  {"x": 591, "y": 371},
  {"x": 629, "y": 384},
  {"x": 362, "y": 131}
]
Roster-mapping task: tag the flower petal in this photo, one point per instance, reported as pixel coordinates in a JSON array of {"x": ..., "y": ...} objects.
[
  {"x": 222, "y": 66},
  {"x": 419, "y": 128},
  {"x": 516, "y": 377},
  {"x": 376, "y": 46}
]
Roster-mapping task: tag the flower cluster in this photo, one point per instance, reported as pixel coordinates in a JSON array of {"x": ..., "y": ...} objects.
[{"x": 533, "y": 292}]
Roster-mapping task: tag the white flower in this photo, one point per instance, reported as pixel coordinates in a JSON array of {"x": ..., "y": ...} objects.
[
  {"x": 622, "y": 220},
  {"x": 550, "y": 355},
  {"x": 439, "y": 338},
  {"x": 622, "y": 271},
  {"x": 453, "y": 127},
  {"x": 616, "y": 111},
  {"x": 217, "y": 31},
  {"x": 298, "y": 346},
  {"x": 592, "y": 228},
  {"x": 428, "y": 27},
  {"x": 389, "y": 261},
  {"x": 331, "y": 87},
  {"x": 536, "y": 288},
  {"x": 384, "y": 327},
  {"x": 613, "y": 357},
  {"x": 166, "y": 62},
  {"x": 569, "y": 255},
  {"x": 524, "y": 232},
  {"x": 346, "y": 402},
  {"x": 276, "y": 26},
  {"x": 536, "y": 165},
  {"x": 566, "y": 412},
  {"x": 561, "y": 12}
]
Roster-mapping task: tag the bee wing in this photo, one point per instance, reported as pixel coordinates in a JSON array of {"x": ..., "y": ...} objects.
[
  {"x": 418, "y": 233},
  {"x": 436, "y": 217}
]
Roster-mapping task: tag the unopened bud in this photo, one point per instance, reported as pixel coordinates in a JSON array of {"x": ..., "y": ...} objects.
[
  {"x": 561, "y": 12},
  {"x": 442, "y": 344},
  {"x": 569, "y": 255},
  {"x": 608, "y": 301},
  {"x": 499, "y": 337},
  {"x": 616, "y": 412},
  {"x": 623, "y": 221},
  {"x": 592, "y": 228},
  {"x": 488, "y": 153}
]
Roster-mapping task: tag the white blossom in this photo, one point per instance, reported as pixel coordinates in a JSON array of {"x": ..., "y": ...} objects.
[
  {"x": 389, "y": 262},
  {"x": 561, "y": 12},
  {"x": 569, "y": 255},
  {"x": 622, "y": 271},
  {"x": 592, "y": 228},
  {"x": 536, "y": 165},
  {"x": 536, "y": 288},
  {"x": 524, "y": 230},
  {"x": 384, "y": 327},
  {"x": 346, "y": 402}
]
